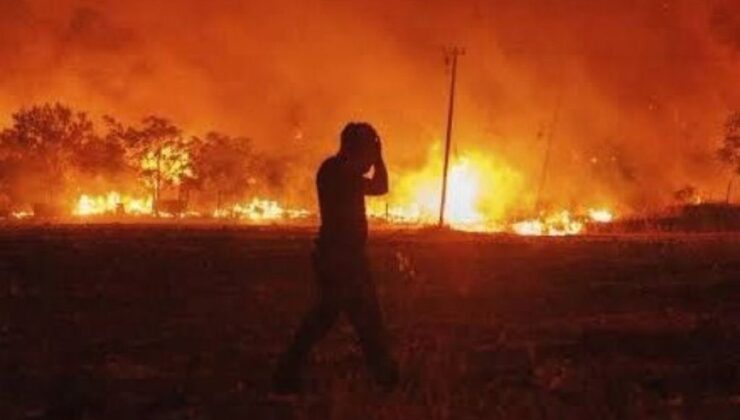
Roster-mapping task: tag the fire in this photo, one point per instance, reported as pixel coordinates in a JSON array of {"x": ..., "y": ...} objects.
[
  {"x": 465, "y": 181},
  {"x": 482, "y": 195},
  {"x": 258, "y": 210},
  {"x": 480, "y": 191},
  {"x": 111, "y": 203},
  {"x": 169, "y": 163},
  {"x": 261, "y": 210},
  {"x": 22, "y": 214},
  {"x": 601, "y": 215},
  {"x": 561, "y": 223}
]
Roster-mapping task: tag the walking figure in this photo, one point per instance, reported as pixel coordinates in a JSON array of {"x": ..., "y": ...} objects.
[{"x": 340, "y": 263}]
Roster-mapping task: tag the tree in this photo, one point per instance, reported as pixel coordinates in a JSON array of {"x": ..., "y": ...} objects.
[
  {"x": 101, "y": 157},
  {"x": 729, "y": 152},
  {"x": 44, "y": 141},
  {"x": 159, "y": 152},
  {"x": 226, "y": 166}
]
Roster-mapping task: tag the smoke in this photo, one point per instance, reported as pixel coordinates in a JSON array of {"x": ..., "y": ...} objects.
[{"x": 640, "y": 88}]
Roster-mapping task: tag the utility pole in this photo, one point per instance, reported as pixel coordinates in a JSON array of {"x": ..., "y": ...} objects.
[{"x": 451, "y": 57}]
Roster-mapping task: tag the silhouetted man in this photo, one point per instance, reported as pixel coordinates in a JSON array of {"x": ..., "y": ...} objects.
[{"x": 340, "y": 263}]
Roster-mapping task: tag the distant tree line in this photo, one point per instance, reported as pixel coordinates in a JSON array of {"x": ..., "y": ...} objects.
[{"x": 51, "y": 152}]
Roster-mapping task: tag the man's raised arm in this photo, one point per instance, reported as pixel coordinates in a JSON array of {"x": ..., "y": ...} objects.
[{"x": 378, "y": 184}]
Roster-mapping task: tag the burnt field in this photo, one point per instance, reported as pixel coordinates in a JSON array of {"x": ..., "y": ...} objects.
[{"x": 171, "y": 322}]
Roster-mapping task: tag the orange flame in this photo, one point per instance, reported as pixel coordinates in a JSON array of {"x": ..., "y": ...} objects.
[
  {"x": 561, "y": 223},
  {"x": 111, "y": 203},
  {"x": 480, "y": 191},
  {"x": 261, "y": 210},
  {"x": 482, "y": 195}
]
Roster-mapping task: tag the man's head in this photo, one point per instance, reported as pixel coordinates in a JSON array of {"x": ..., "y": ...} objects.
[{"x": 359, "y": 145}]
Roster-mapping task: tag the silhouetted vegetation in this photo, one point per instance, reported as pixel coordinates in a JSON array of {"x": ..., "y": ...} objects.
[{"x": 52, "y": 151}]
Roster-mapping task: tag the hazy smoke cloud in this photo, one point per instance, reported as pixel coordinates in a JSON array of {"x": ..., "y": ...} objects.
[{"x": 641, "y": 87}]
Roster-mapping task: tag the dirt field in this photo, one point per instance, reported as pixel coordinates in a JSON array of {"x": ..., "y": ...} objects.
[{"x": 147, "y": 322}]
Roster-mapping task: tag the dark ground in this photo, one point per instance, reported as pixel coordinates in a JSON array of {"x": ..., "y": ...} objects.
[{"x": 147, "y": 322}]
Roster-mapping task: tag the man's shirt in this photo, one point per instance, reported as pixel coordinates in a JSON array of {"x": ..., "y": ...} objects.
[{"x": 342, "y": 207}]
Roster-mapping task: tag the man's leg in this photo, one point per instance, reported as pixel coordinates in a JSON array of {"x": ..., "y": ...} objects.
[
  {"x": 364, "y": 313},
  {"x": 315, "y": 325}
]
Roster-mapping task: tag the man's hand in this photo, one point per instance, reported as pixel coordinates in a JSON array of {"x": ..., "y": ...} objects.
[{"x": 378, "y": 184}]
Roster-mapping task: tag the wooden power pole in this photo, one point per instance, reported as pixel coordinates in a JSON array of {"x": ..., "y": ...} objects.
[{"x": 451, "y": 57}]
